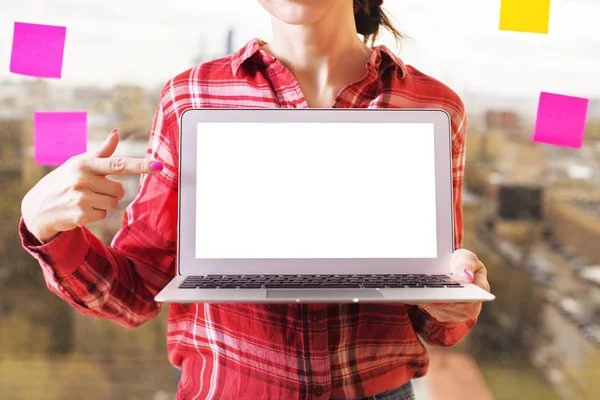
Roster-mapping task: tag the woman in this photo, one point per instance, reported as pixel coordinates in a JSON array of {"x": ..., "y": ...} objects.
[{"x": 284, "y": 351}]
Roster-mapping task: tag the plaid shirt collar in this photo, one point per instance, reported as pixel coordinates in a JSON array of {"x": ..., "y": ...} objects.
[{"x": 381, "y": 59}]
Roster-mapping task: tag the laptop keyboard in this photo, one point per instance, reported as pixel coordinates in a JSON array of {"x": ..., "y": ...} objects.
[{"x": 318, "y": 281}]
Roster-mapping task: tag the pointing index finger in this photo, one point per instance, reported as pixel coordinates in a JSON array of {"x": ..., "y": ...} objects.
[{"x": 124, "y": 166}]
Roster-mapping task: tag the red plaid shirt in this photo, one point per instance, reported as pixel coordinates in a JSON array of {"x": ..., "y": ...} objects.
[{"x": 254, "y": 351}]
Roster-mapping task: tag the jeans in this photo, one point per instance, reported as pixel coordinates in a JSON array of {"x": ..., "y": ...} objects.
[{"x": 404, "y": 392}]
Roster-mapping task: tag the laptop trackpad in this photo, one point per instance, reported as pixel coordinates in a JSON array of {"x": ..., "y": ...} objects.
[{"x": 350, "y": 294}]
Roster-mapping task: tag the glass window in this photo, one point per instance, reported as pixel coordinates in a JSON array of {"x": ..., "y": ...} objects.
[{"x": 531, "y": 210}]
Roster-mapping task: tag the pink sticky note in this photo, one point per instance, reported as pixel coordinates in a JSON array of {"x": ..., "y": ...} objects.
[
  {"x": 38, "y": 50},
  {"x": 561, "y": 120},
  {"x": 58, "y": 136}
]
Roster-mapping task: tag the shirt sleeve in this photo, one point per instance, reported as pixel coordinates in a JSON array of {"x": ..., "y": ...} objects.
[
  {"x": 434, "y": 332},
  {"x": 459, "y": 148},
  {"x": 119, "y": 282}
]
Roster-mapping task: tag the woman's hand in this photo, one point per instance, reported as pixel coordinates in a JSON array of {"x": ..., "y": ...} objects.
[
  {"x": 467, "y": 268},
  {"x": 79, "y": 192}
]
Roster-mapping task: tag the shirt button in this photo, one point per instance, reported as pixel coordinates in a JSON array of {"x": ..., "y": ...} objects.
[
  {"x": 314, "y": 318},
  {"x": 318, "y": 391}
]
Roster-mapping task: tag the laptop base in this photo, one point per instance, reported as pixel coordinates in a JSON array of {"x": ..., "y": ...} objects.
[{"x": 172, "y": 293}]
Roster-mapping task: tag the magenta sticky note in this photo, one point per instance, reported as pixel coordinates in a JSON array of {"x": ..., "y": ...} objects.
[
  {"x": 58, "y": 136},
  {"x": 561, "y": 120},
  {"x": 38, "y": 50}
]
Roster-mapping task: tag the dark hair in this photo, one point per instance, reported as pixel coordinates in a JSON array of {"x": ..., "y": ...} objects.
[{"x": 370, "y": 18}]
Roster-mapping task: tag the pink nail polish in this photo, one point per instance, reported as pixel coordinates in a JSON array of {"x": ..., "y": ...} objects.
[
  {"x": 112, "y": 132},
  {"x": 156, "y": 166},
  {"x": 469, "y": 274}
]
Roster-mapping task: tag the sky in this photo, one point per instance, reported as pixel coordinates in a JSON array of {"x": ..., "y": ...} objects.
[{"x": 146, "y": 42}]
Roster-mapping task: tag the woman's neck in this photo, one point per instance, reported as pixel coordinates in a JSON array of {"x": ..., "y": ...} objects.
[
  {"x": 329, "y": 41},
  {"x": 324, "y": 56}
]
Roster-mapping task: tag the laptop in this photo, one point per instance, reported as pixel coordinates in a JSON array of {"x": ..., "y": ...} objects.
[{"x": 315, "y": 206}]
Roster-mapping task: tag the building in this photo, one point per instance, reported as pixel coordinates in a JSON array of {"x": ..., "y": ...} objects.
[
  {"x": 11, "y": 149},
  {"x": 574, "y": 218},
  {"x": 545, "y": 271},
  {"x": 507, "y": 121},
  {"x": 132, "y": 112},
  {"x": 551, "y": 303}
]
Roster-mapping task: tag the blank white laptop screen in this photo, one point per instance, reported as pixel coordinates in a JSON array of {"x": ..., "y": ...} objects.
[{"x": 315, "y": 190}]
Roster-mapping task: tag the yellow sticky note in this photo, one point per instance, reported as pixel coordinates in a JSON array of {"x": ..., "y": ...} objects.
[{"x": 525, "y": 15}]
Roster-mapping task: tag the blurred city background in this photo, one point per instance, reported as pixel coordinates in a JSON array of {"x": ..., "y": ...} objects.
[{"x": 531, "y": 211}]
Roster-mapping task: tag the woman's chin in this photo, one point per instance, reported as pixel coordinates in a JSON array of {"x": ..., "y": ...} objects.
[{"x": 297, "y": 12}]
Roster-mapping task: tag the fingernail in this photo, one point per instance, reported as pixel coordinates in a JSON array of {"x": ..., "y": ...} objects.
[
  {"x": 156, "y": 166},
  {"x": 112, "y": 133},
  {"x": 438, "y": 304},
  {"x": 469, "y": 274}
]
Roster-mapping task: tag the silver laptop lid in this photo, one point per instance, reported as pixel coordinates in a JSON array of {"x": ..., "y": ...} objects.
[{"x": 315, "y": 191}]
